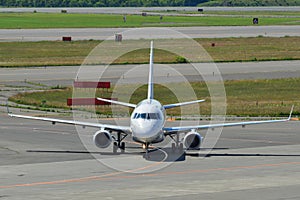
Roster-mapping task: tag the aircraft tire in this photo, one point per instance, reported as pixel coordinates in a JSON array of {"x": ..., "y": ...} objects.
[
  {"x": 181, "y": 148},
  {"x": 115, "y": 147},
  {"x": 122, "y": 147},
  {"x": 173, "y": 147}
]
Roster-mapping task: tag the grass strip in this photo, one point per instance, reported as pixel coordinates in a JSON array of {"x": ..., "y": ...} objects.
[
  {"x": 225, "y": 13},
  {"x": 56, "y": 53},
  {"x": 66, "y": 20},
  {"x": 244, "y": 97}
]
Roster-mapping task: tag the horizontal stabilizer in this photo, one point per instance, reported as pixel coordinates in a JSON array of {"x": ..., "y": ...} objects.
[
  {"x": 183, "y": 103},
  {"x": 118, "y": 102}
]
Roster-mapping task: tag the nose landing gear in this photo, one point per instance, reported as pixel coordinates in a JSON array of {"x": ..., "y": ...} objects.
[{"x": 146, "y": 148}]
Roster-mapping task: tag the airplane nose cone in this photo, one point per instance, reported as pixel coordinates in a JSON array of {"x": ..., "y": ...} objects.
[{"x": 144, "y": 130}]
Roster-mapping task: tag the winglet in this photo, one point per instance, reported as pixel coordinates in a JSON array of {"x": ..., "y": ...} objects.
[
  {"x": 150, "y": 80},
  {"x": 291, "y": 113}
]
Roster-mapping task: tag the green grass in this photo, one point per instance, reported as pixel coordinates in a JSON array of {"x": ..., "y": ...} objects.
[
  {"x": 73, "y": 53},
  {"x": 255, "y": 13},
  {"x": 44, "y": 53},
  {"x": 230, "y": 13},
  {"x": 244, "y": 98},
  {"x": 250, "y": 3},
  {"x": 61, "y": 20},
  {"x": 252, "y": 49}
]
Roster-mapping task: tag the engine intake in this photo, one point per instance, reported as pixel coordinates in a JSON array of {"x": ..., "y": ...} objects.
[
  {"x": 192, "y": 140},
  {"x": 102, "y": 139}
]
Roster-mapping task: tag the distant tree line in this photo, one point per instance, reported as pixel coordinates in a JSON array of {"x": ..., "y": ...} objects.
[
  {"x": 98, "y": 3},
  {"x": 144, "y": 3},
  {"x": 252, "y": 3}
]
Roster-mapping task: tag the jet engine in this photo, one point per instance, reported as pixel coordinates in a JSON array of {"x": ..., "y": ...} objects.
[
  {"x": 192, "y": 140},
  {"x": 102, "y": 139}
]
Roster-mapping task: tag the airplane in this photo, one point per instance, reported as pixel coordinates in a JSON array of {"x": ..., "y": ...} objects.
[{"x": 147, "y": 123}]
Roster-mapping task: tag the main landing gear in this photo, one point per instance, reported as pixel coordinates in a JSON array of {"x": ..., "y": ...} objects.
[
  {"x": 118, "y": 144},
  {"x": 178, "y": 145}
]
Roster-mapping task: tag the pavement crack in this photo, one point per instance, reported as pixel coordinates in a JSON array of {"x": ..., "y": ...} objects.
[{"x": 8, "y": 149}]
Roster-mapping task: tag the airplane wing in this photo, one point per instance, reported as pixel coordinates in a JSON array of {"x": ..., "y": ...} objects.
[
  {"x": 117, "y": 102},
  {"x": 169, "y": 130},
  {"x": 125, "y": 129},
  {"x": 182, "y": 104}
]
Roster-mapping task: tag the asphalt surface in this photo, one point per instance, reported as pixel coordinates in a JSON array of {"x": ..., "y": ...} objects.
[
  {"x": 150, "y": 33},
  {"x": 41, "y": 161},
  {"x": 53, "y": 76}
]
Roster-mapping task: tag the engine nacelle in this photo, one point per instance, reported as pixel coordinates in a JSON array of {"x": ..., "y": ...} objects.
[
  {"x": 192, "y": 140},
  {"x": 102, "y": 139}
]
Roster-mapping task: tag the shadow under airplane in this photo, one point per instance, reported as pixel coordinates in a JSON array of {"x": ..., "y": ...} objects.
[
  {"x": 168, "y": 155},
  {"x": 240, "y": 155}
]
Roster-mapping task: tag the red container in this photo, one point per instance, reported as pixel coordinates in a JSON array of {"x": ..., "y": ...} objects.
[
  {"x": 90, "y": 84},
  {"x": 87, "y": 101},
  {"x": 69, "y": 39}
]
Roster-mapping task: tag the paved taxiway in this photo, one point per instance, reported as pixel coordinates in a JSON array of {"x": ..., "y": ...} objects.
[
  {"x": 65, "y": 75},
  {"x": 151, "y": 33},
  {"x": 41, "y": 161}
]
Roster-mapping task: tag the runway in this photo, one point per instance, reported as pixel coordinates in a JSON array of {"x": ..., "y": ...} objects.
[
  {"x": 41, "y": 161},
  {"x": 65, "y": 75},
  {"x": 7, "y": 35}
]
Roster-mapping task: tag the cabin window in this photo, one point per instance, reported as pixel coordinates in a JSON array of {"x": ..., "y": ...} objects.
[
  {"x": 143, "y": 115},
  {"x": 135, "y": 116},
  {"x": 147, "y": 116},
  {"x": 138, "y": 116}
]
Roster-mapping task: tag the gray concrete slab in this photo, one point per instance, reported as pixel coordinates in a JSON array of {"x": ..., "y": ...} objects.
[
  {"x": 260, "y": 162},
  {"x": 41, "y": 161},
  {"x": 65, "y": 75},
  {"x": 240, "y": 173},
  {"x": 109, "y": 33}
]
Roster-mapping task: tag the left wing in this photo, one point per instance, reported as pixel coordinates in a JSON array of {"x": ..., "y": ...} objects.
[
  {"x": 207, "y": 126},
  {"x": 72, "y": 122},
  {"x": 117, "y": 102}
]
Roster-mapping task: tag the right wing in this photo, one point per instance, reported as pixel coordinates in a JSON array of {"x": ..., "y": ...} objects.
[{"x": 72, "y": 122}]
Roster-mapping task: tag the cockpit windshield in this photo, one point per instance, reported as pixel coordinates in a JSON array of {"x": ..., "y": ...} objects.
[{"x": 146, "y": 116}]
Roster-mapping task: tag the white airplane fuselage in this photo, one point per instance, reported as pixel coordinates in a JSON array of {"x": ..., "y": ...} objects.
[{"x": 147, "y": 122}]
